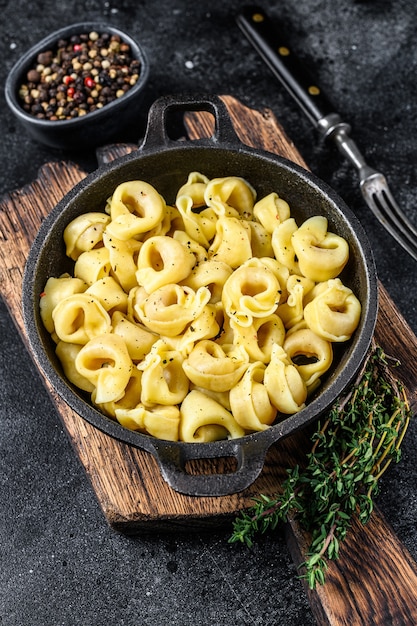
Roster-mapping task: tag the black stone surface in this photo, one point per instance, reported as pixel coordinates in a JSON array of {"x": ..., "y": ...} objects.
[{"x": 60, "y": 562}]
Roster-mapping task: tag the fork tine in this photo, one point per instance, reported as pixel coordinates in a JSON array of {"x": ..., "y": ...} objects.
[
  {"x": 379, "y": 198},
  {"x": 373, "y": 185},
  {"x": 408, "y": 226}
]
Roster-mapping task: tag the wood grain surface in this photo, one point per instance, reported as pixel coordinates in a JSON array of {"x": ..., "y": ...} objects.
[{"x": 375, "y": 579}]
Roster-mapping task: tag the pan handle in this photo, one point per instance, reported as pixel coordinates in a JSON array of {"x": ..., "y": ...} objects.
[
  {"x": 157, "y": 135},
  {"x": 250, "y": 457}
]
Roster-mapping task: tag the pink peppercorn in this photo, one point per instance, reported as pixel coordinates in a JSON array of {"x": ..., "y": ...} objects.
[{"x": 89, "y": 82}]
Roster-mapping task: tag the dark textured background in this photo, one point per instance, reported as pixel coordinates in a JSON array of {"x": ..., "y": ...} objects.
[{"x": 60, "y": 563}]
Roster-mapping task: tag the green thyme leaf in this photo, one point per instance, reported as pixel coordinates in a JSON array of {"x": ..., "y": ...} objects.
[{"x": 353, "y": 445}]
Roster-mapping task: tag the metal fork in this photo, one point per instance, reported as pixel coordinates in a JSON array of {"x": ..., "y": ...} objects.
[
  {"x": 275, "y": 51},
  {"x": 373, "y": 185}
]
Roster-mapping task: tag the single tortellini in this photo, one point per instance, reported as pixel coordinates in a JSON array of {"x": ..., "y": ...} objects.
[
  {"x": 249, "y": 400},
  {"x": 123, "y": 257},
  {"x": 203, "y": 419},
  {"x": 284, "y": 383},
  {"x": 55, "y": 290},
  {"x": 79, "y": 318},
  {"x": 135, "y": 208},
  {"x": 163, "y": 260},
  {"x": 195, "y": 188},
  {"x": 105, "y": 362},
  {"x": 200, "y": 225},
  {"x": 163, "y": 379},
  {"x": 84, "y": 233},
  {"x": 158, "y": 421},
  {"x": 215, "y": 367},
  {"x": 321, "y": 254},
  {"x": 130, "y": 398},
  {"x": 93, "y": 265},
  {"x": 282, "y": 245},
  {"x": 335, "y": 313},
  {"x": 271, "y": 211},
  {"x": 292, "y": 310},
  {"x": 232, "y": 242},
  {"x": 231, "y": 193},
  {"x": 251, "y": 291},
  {"x": 169, "y": 309},
  {"x": 311, "y": 355},
  {"x": 260, "y": 240}
]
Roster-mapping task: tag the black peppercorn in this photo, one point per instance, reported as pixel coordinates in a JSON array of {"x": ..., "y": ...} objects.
[
  {"x": 45, "y": 58},
  {"x": 33, "y": 76}
]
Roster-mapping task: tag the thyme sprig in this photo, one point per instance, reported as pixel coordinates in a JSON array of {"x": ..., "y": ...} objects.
[{"x": 352, "y": 447}]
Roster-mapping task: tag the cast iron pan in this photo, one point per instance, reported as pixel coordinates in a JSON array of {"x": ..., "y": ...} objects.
[{"x": 165, "y": 163}]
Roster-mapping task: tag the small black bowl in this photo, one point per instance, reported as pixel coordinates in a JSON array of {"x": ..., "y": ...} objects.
[{"x": 96, "y": 127}]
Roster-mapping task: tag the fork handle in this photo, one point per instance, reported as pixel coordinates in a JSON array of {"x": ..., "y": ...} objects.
[
  {"x": 332, "y": 127},
  {"x": 276, "y": 52}
]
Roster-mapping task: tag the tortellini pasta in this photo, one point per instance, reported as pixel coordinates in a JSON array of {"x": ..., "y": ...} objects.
[
  {"x": 84, "y": 233},
  {"x": 271, "y": 211},
  {"x": 201, "y": 226},
  {"x": 232, "y": 242},
  {"x": 252, "y": 291},
  {"x": 171, "y": 308},
  {"x": 163, "y": 379},
  {"x": 79, "y": 318},
  {"x": 57, "y": 289},
  {"x": 316, "y": 354},
  {"x": 250, "y": 402},
  {"x": 321, "y": 254},
  {"x": 204, "y": 419},
  {"x": 162, "y": 261},
  {"x": 208, "y": 319},
  {"x": 215, "y": 367},
  {"x": 105, "y": 362},
  {"x": 135, "y": 208},
  {"x": 231, "y": 195},
  {"x": 92, "y": 265},
  {"x": 123, "y": 258},
  {"x": 334, "y": 313},
  {"x": 284, "y": 382}
]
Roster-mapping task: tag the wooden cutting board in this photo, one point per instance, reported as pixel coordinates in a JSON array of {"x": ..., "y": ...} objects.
[{"x": 375, "y": 579}]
